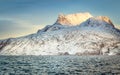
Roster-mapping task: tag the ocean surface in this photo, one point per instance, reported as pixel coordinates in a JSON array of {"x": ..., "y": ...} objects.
[{"x": 59, "y": 65}]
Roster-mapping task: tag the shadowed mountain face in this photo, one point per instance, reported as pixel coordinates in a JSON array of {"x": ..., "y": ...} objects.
[{"x": 75, "y": 34}]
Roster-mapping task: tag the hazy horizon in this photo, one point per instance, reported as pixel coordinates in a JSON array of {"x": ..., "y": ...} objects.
[{"x": 23, "y": 17}]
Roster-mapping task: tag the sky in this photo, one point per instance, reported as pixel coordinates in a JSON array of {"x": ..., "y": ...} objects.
[{"x": 23, "y": 17}]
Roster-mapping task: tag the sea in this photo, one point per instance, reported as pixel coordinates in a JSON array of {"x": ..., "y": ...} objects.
[{"x": 60, "y": 65}]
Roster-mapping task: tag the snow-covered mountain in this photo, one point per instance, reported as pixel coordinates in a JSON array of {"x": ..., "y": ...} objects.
[{"x": 93, "y": 36}]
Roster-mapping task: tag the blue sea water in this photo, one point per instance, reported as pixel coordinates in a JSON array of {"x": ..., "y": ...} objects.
[{"x": 59, "y": 65}]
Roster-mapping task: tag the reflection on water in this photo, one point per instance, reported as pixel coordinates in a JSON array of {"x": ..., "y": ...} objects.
[{"x": 59, "y": 65}]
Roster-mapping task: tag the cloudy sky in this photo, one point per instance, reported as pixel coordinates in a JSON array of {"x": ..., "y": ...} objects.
[{"x": 22, "y": 17}]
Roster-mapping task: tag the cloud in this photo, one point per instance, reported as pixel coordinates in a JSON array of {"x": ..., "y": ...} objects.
[
  {"x": 6, "y": 25},
  {"x": 117, "y": 26},
  {"x": 12, "y": 24},
  {"x": 15, "y": 6},
  {"x": 15, "y": 28}
]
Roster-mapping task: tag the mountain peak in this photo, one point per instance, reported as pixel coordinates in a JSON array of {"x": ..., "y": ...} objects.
[
  {"x": 73, "y": 19},
  {"x": 98, "y": 21},
  {"x": 106, "y": 19}
]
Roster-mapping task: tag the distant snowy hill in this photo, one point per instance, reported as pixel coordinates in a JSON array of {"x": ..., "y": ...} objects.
[{"x": 75, "y": 34}]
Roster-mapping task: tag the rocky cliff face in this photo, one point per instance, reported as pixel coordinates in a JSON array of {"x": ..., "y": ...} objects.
[{"x": 94, "y": 36}]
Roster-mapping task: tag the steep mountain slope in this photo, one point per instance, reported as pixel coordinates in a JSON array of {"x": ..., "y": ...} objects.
[{"x": 95, "y": 36}]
